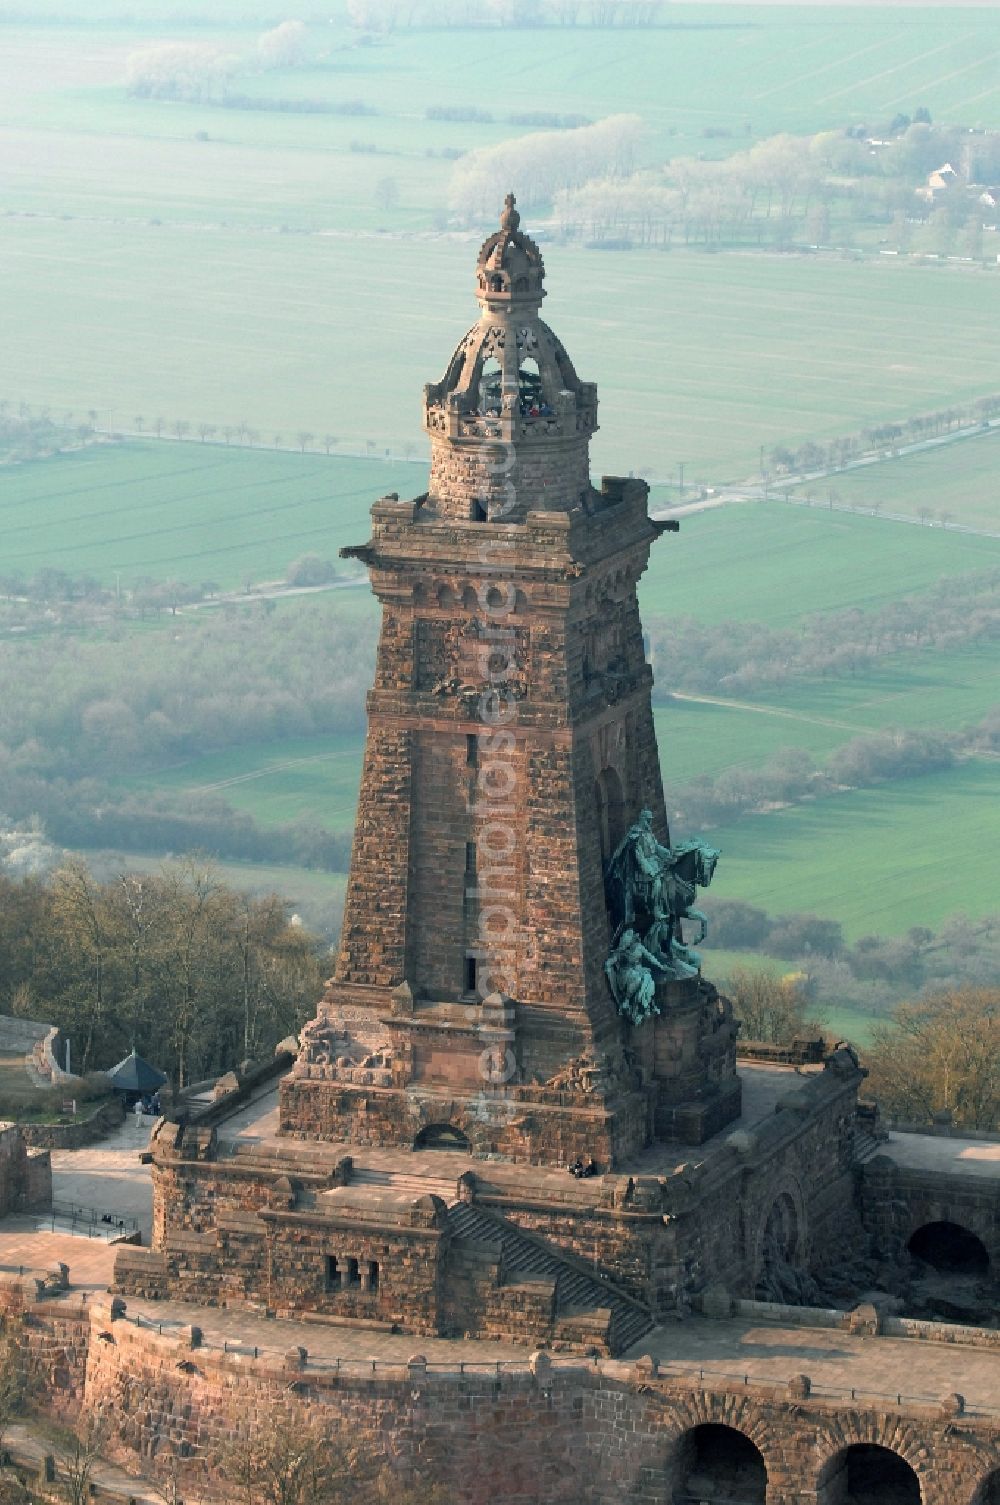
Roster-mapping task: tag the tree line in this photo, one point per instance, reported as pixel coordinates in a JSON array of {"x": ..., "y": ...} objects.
[
  {"x": 883, "y": 438},
  {"x": 791, "y": 774},
  {"x": 382, "y": 16},
  {"x": 542, "y": 163},
  {"x": 787, "y": 189},
  {"x": 874, "y": 972},
  {"x": 81, "y": 710},
  {"x": 192, "y": 974},
  {"x": 742, "y": 658},
  {"x": 27, "y": 435},
  {"x": 936, "y": 1059}
]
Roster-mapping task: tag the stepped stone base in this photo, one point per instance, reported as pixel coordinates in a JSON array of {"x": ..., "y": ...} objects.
[{"x": 697, "y": 1121}]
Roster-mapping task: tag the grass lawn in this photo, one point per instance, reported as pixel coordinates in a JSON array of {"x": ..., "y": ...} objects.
[
  {"x": 956, "y": 482},
  {"x": 878, "y": 860}
]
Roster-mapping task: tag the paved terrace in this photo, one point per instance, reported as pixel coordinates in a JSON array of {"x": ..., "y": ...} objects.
[
  {"x": 838, "y": 1363},
  {"x": 907, "y": 1371},
  {"x": 106, "y": 1177},
  {"x": 256, "y": 1127},
  {"x": 944, "y": 1155}
]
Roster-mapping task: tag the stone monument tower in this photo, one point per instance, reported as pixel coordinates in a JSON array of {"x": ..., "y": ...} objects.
[{"x": 512, "y": 970}]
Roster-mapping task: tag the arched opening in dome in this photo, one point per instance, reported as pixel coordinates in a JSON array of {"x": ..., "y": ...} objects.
[
  {"x": 716, "y": 1464},
  {"x": 567, "y": 375},
  {"x": 490, "y": 383},
  {"x": 865, "y": 1474},
  {"x": 529, "y": 390},
  {"x": 950, "y": 1249}
]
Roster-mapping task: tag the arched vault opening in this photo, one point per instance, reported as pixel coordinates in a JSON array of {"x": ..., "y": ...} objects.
[
  {"x": 950, "y": 1249},
  {"x": 865, "y": 1474},
  {"x": 718, "y": 1465},
  {"x": 441, "y": 1137}
]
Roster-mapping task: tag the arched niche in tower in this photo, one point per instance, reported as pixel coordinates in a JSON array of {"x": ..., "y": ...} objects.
[{"x": 610, "y": 810}]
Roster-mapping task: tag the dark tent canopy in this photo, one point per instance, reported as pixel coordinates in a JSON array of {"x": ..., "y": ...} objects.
[{"x": 135, "y": 1075}]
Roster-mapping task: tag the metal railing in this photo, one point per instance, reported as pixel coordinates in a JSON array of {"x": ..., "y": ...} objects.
[
  {"x": 494, "y": 1368},
  {"x": 89, "y": 1222}
]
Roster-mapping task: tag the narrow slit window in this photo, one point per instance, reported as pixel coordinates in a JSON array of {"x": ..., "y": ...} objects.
[
  {"x": 470, "y": 859},
  {"x": 471, "y": 750},
  {"x": 333, "y": 1274},
  {"x": 373, "y": 1275},
  {"x": 471, "y": 974},
  {"x": 353, "y": 1273}
]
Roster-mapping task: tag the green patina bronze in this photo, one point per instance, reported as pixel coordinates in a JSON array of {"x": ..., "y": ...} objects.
[{"x": 651, "y": 890}]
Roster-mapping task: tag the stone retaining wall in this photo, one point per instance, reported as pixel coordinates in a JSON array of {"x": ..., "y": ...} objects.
[
  {"x": 563, "y": 1434},
  {"x": 896, "y": 1200},
  {"x": 72, "y": 1136},
  {"x": 25, "y": 1174},
  {"x": 45, "y": 1051}
]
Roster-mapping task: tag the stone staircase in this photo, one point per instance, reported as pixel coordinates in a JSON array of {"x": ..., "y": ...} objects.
[
  {"x": 411, "y": 1181},
  {"x": 526, "y": 1256},
  {"x": 865, "y": 1145}
]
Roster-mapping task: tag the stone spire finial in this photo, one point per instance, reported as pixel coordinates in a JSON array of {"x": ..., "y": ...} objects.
[{"x": 509, "y": 219}]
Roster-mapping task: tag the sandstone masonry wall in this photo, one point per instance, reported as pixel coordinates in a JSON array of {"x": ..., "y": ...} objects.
[{"x": 563, "y": 1434}]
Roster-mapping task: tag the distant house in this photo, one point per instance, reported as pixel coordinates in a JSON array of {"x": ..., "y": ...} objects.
[
  {"x": 989, "y": 198},
  {"x": 938, "y": 181}
]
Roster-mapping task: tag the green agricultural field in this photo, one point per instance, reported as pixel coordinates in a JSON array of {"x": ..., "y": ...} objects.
[
  {"x": 187, "y": 511},
  {"x": 144, "y": 271},
  {"x": 924, "y": 690},
  {"x": 956, "y": 483},
  {"x": 768, "y": 562},
  {"x": 309, "y": 779},
  {"x": 747, "y": 71},
  {"x": 700, "y": 359},
  {"x": 195, "y": 512},
  {"x": 878, "y": 860}
]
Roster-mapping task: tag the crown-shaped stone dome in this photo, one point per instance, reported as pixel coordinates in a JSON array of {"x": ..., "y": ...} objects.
[
  {"x": 510, "y": 266},
  {"x": 510, "y": 421}
]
